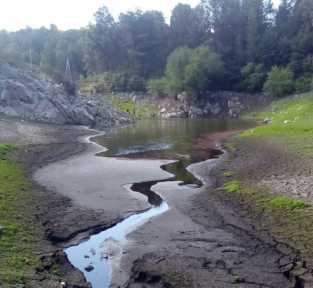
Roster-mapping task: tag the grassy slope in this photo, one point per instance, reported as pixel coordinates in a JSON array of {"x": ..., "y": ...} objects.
[
  {"x": 17, "y": 244},
  {"x": 290, "y": 220},
  {"x": 292, "y": 122}
]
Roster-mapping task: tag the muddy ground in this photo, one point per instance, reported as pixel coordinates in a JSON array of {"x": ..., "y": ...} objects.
[
  {"x": 203, "y": 241},
  {"x": 208, "y": 241}
]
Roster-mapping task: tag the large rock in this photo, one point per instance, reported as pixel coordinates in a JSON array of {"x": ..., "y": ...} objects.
[{"x": 26, "y": 96}]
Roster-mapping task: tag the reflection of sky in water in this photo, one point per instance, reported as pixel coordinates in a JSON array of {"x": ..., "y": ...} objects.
[
  {"x": 175, "y": 136},
  {"x": 150, "y": 146},
  {"x": 105, "y": 245}
]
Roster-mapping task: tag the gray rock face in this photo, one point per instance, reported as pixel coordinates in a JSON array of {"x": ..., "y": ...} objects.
[
  {"x": 25, "y": 96},
  {"x": 213, "y": 104}
]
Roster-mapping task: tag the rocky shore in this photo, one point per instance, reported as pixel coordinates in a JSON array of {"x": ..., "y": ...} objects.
[{"x": 30, "y": 97}]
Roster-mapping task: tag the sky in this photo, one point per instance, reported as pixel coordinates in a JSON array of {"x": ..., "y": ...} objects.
[{"x": 67, "y": 14}]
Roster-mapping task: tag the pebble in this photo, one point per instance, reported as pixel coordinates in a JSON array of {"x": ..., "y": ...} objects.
[{"x": 89, "y": 268}]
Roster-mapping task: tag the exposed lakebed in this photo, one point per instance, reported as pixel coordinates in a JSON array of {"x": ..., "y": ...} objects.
[{"x": 137, "y": 158}]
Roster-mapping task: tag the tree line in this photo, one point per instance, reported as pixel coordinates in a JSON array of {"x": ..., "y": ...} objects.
[{"x": 218, "y": 45}]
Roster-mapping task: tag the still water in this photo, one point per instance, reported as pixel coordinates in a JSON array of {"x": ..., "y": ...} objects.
[{"x": 154, "y": 139}]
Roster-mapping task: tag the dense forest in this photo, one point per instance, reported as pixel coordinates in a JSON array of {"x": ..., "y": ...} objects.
[{"x": 242, "y": 45}]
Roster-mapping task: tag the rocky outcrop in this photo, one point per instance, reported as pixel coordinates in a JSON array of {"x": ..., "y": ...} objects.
[
  {"x": 28, "y": 97},
  {"x": 215, "y": 104}
]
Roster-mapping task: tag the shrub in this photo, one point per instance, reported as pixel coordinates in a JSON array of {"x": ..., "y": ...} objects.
[
  {"x": 199, "y": 69},
  {"x": 157, "y": 87},
  {"x": 111, "y": 82},
  {"x": 303, "y": 84},
  {"x": 176, "y": 66},
  {"x": 279, "y": 82},
  {"x": 204, "y": 70},
  {"x": 253, "y": 77}
]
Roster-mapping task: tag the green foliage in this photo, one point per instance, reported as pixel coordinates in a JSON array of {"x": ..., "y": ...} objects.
[
  {"x": 204, "y": 70},
  {"x": 106, "y": 83},
  {"x": 4, "y": 149},
  {"x": 138, "y": 45},
  {"x": 253, "y": 77},
  {"x": 196, "y": 70},
  {"x": 304, "y": 84},
  {"x": 157, "y": 87},
  {"x": 283, "y": 202},
  {"x": 232, "y": 187},
  {"x": 176, "y": 69},
  {"x": 140, "y": 110},
  {"x": 187, "y": 26},
  {"x": 279, "y": 82}
]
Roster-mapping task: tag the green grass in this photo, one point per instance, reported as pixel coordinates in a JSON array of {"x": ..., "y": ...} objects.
[
  {"x": 232, "y": 187},
  {"x": 291, "y": 123},
  {"x": 289, "y": 220},
  {"x": 291, "y": 117},
  {"x": 282, "y": 202},
  {"x": 139, "y": 109},
  {"x": 16, "y": 236}
]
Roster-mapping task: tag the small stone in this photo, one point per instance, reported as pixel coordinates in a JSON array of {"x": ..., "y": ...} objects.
[
  {"x": 63, "y": 284},
  {"x": 240, "y": 280},
  {"x": 89, "y": 268}
]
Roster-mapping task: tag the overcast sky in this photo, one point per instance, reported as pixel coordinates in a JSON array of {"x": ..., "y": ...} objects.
[{"x": 17, "y": 14}]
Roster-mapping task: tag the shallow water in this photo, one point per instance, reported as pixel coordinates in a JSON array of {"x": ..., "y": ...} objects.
[
  {"x": 164, "y": 139},
  {"x": 104, "y": 247}
]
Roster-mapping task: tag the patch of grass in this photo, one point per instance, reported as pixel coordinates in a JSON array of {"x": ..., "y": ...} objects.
[
  {"x": 282, "y": 202},
  {"x": 228, "y": 174},
  {"x": 232, "y": 187},
  {"x": 139, "y": 109},
  {"x": 16, "y": 236},
  {"x": 291, "y": 122},
  {"x": 4, "y": 149},
  {"x": 289, "y": 220}
]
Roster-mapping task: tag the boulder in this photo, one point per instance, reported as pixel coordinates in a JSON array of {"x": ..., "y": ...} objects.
[{"x": 26, "y": 96}]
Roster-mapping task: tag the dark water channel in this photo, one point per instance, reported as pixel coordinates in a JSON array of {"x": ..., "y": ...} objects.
[{"x": 151, "y": 139}]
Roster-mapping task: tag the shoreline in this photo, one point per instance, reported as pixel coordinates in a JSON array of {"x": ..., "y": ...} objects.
[{"x": 216, "y": 226}]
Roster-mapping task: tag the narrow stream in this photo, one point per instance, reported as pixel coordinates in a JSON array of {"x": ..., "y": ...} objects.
[{"x": 96, "y": 256}]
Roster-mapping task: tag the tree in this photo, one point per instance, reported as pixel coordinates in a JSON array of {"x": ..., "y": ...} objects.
[
  {"x": 204, "y": 70},
  {"x": 228, "y": 35},
  {"x": 279, "y": 82},
  {"x": 253, "y": 77},
  {"x": 187, "y": 26},
  {"x": 102, "y": 43},
  {"x": 145, "y": 42},
  {"x": 176, "y": 69}
]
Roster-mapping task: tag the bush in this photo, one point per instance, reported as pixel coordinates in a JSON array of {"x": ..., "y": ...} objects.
[
  {"x": 303, "y": 84},
  {"x": 176, "y": 66},
  {"x": 157, "y": 87},
  {"x": 111, "y": 82},
  {"x": 253, "y": 77},
  {"x": 197, "y": 70},
  {"x": 279, "y": 82},
  {"x": 204, "y": 70}
]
